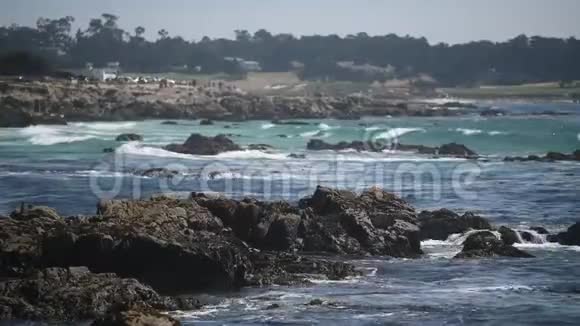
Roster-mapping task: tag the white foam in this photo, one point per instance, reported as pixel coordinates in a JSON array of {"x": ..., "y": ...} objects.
[
  {"x": 473, "y": 132},
  {"x": 469, "y": 132},
  {"x": 310, "y": 133},
  {"x": 106, "y": 126},
  {"x": 397, "y": 132},
  {"x": 268, "y": 126},
  {"x": 578, "y": 136},
  {"x": 324, "y": 126},
  {"x": 373, "y": 128},
  {"x": 44, "y": 135},
  {"x": 134, "y": 148}
]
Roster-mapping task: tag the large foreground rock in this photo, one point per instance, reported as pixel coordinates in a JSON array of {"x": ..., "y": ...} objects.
[
  {"x": 439, "y": 225},
  {"x": 70, "y": 294},
  {"x": 174, "y": 245},
  {"x": 486, "y": 244},
  {"x": 197, "y": 144},
  {"x": 331, "y": 221}
]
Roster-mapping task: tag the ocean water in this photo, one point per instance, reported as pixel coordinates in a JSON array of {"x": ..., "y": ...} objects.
[{"x": 65, "y": 167}]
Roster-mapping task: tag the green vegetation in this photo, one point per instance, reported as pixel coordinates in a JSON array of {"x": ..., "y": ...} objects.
[{"x": 359, "y": 58}]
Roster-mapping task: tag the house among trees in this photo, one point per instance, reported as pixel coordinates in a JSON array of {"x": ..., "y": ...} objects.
[
  {"x": 110, "y": 71},
  {"x": 245, "y": 65}
]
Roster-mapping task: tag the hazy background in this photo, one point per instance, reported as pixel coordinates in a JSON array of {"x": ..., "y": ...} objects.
[{"x": 451, "y": 21}]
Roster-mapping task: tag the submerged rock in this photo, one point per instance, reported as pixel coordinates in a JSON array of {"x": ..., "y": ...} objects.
[
  {"x": 206, "y": 122},
  {"x": 439, "y": 225},
  {"x": 197, "y": 144},
  {"x": 129, "y": 137},
  {"x": 486, "y": 244}
]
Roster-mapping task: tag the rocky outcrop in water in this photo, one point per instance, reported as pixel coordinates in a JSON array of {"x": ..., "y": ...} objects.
[
  {"x": 439, "y": 225},
  {"x": 197, "y": 144},
  {"x": 549, "y": 157},
  {"x": 452, "y": 149},
  {"x": 571, "y": 237},
  {"x": 129, "y": 137},
  {"x": 331, "y": 221},
  {"x": 486, "y": 244}
]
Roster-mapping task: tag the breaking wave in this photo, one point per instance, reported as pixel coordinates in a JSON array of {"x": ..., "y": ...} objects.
[
  {"x": 268, "y": 126},
  {"x": 106, "y": 126},
  {"x": 46, "y": 136},
  {"x": 472, "y": 132},
  {"x": 397, "y": 132},
  {"x": 134, "y": 148}
]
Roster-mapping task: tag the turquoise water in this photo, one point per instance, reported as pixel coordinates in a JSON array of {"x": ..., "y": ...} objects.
[{"x": 65, "y": 167}]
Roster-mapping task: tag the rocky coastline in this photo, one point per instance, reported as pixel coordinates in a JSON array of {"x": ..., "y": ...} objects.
[
  {"x": 25, "y": 103},
  {"x": 136, "y": 258}
]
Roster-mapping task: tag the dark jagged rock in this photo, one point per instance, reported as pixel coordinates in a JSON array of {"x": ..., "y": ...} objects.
[
  {"x": 439, "y": 225},
  {"x": 292, "y": 269},
  {"x": 197, "y": 144},
  {"x": 570, "y": 237},
  {"x": 108, "y": 150},
  {"x": 129, "y": 137},
  {"x": 71, "y": 294},
  {"x": 159, "y": 173},
  {"x": 453, "y": 149},
  {"x": 320, "y": 145},
  {"x": 333, "y": 221},
  {"x": 486, "y": 244},
  {"x": 508, "y": 236},
  {"x": 375, "y": 222},
  {"x": 206, "y": 122},
  {"x": 457, "y": 150},
  {"x": 136, "y": 317}
]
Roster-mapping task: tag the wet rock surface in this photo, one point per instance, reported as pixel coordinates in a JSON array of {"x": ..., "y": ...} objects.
[
  {"x": 452, "y": 149},
  {"x": 197, "y": 144},
  {"x": 487, "y": 244},
  {"x": 439, "y": 225},
  {"x": 68, "y": 294},
  {"x": 129, "y": 137}
]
